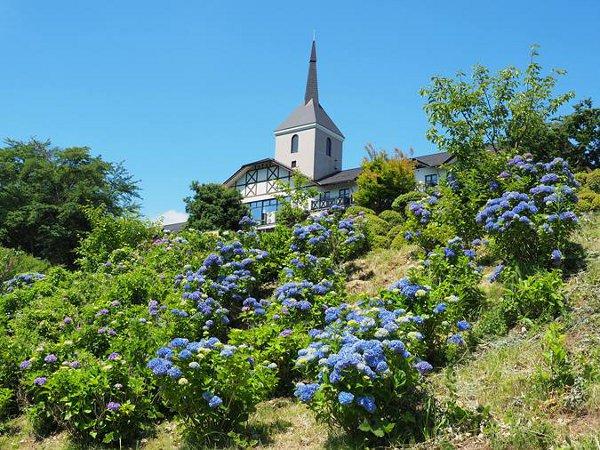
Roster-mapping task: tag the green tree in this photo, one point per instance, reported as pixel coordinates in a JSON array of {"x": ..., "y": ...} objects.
[
  {"x": 579, "y": 134},
  {"x": 486, "y": 117},
  {"x": 214, "y": 207},
  {"x": 510, "y": 111},
  {"x": 294, "y": 200},
  {"x": 383, "y": 178},
  {"x": 44, "y": 191}
]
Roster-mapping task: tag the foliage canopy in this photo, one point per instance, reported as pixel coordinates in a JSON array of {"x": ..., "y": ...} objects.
[
  {"x": 44, "y": 191},
  {"x": 383, "y": 178},
  {"x": 214, "y": 206}
]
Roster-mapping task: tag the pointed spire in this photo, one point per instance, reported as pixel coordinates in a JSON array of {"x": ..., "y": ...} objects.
[{"x": 312, "y": 90}]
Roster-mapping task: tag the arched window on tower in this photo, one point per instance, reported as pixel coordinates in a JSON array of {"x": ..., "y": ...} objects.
[
  {"x": 328, "y": 147},
  {"x": 294, "y": 144}
]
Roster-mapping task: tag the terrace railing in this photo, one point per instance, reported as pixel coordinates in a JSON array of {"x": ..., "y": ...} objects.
[{"x": 324, "y": 203}]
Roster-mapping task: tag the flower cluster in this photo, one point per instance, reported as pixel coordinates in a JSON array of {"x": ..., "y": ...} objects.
[
  {"x": 22, "y": 280},
  {"x": 326, "y": 233},
  {"x": 296, "y": 296},
  {"x": 356, "y": 359},
  {"x": 534, "y": 215},
  {"x": 512, "y": 208},
  {"x": 218, "y": 290},
  {"x": 211, "y": 383}
]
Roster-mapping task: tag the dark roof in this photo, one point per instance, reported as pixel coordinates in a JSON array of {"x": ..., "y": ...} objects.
[
  {"x": 306, "y": 114},
  {"x": 253, "y": 163},
  {"x": 312, "y": 87},
  {"x": 433, "y": 160},
  {"x": 344, "y": 176},
  {"x": 174, "y": 227},
  {"x": 310, "y": 111}
]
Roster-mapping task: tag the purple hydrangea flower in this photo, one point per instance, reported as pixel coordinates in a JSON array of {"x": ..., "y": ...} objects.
[
  {"x": 423, "y": 367},
  {"x": 113, "y": 406},
  {"x": 25, "y": 364},
  {"x": 50, "y": 359}
]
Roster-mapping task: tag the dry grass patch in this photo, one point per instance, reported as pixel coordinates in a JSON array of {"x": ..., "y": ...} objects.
[{"x": 378, "y": 269}]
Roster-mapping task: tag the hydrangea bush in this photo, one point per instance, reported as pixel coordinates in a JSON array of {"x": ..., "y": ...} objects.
[
  {"x": 444, "y": 293},
  {"x": 532, "y": 218},
  {"x": 364, "y": 371},
  {"x": 212, "y": 386}
]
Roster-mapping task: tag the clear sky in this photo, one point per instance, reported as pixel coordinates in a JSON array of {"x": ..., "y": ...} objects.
[{"x": 190, "y": 90}]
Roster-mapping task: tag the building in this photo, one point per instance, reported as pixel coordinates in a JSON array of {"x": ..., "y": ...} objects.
[
  {"x": 310, "y": 142},
  {"x": 430, "y": 169}
]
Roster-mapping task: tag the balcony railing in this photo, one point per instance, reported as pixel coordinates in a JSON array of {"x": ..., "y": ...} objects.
[{"x": 324, "y": 203}]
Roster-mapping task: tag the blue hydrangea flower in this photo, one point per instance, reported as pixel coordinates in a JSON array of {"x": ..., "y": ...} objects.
[
  {"x": 556, "y": 256},
  {"x": 463, "y": 325},
  {"x": 345, "y": 398},
  {"x": 368, "y": 403},
  {"x": 305, "y": 392},
  {"x": 440, "y": 308}
]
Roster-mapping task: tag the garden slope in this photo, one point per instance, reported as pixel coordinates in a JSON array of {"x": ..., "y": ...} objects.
[{"x": 499, "y": 374}]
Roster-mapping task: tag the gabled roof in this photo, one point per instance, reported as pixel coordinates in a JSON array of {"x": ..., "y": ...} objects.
[
  {"x": 343, "y": 176},
  {"x": 311, "y": 111},
  {"x": 308, "y": 114},
  {"x": 249, "y": 165},
  {"x": 433, "y": 160}
]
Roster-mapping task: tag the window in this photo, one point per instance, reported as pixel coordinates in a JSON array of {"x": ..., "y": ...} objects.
[
  {"x": 344, "y": 193},
  {"x": 328, "y": 147},
  {"x": 326, "y": 195},
  {"x": 295, "y": 143},
  {"x": 431, "y": 179},
  {"x": 261, "y": 209},
  {"x": 294, "y": 164}
]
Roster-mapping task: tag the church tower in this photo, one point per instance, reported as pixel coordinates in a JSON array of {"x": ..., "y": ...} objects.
[{"x": 308, "y": 140}]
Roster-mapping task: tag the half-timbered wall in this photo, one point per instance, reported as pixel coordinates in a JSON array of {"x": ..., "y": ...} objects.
[{"x": 262, "y": 181}]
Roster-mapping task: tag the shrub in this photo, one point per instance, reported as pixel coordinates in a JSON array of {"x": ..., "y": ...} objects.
[
  {"x": 96, "y": 401},
  {"x": 559, "y": 369},
  {"x": 108, "y": 234},
  {"x": 538, "y": 297},
  {"x": 392, "y": 217},
  {"x": 403, "y": 200},
  {"x": 589, "y": 194},
  {"x": 533, "y": 217},
  {"x": 364, "y": 373},
  {"x": 382, "y": 179},
  {"x": 590, "y": 180},
  {"x": 356, "y": 210},
  {"x": 430, "y": 222},
  {"x": 14, "y": 262},
  {"x": 6, "y": 401},
  {"x": 213, "y": 387},
  {"x": 442, "y": 291},
  {"x": 328, "y": 234},
  {"x": 376, "y": 230}
]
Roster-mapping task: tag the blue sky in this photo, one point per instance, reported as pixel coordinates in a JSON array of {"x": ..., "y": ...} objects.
[{"x": 190, "y": 90}]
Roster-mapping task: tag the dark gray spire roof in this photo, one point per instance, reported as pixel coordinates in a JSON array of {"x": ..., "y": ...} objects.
[
  {"x": 310, "y": 111},
  {"x": 312, "y": 88}
]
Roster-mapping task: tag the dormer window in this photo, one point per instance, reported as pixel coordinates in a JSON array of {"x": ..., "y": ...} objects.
[
  {"x": 328, "y": 147},
  {"x": 294, "y": 148}
]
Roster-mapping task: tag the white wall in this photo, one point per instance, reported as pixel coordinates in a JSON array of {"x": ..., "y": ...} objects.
[
  {"x": 311, "y": 158},
  {"x": 423, "y": 171}
]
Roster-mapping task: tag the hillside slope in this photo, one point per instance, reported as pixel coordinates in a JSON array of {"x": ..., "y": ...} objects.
[{"x": 505, "y": 375}]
